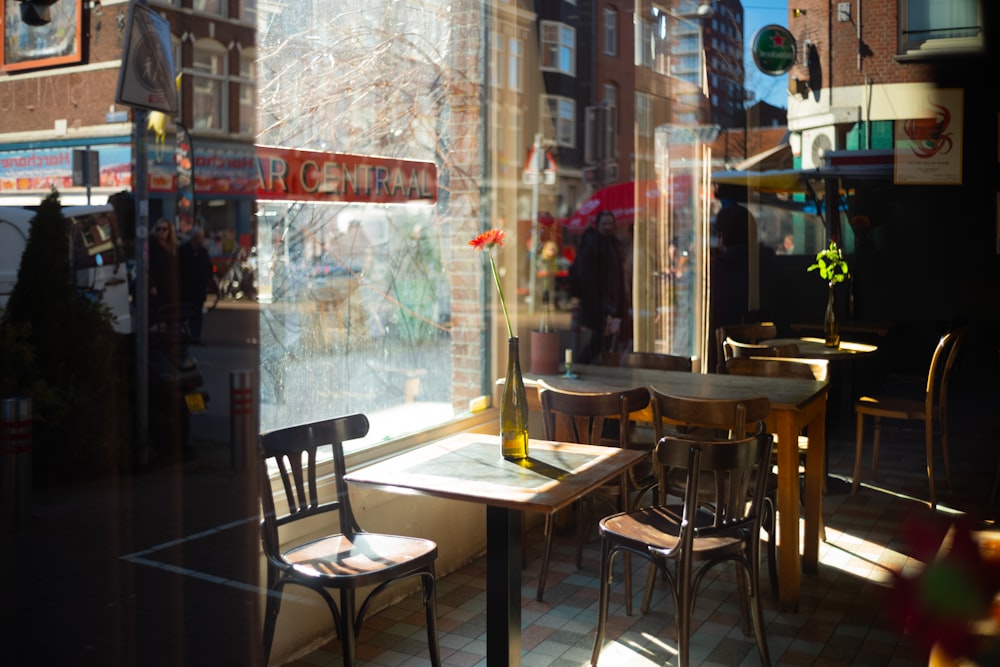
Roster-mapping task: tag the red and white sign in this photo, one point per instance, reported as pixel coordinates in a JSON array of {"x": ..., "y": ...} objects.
[{"x": 301, "y": 175}]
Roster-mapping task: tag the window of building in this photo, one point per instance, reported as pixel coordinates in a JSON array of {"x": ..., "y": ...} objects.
[
  {"x": 560, "y": 116},
  {"x": 515, "y": 64},
  {"x": 939, "y": 26},
  {"x": 496, "y": 59},
  {"x": 558, "y": 48},
  {"x": 248, "y": 93},
  {"x": 610, "y": 97},
  {"x": 210, "y": 99},
  {"x": 610, "y": 32},
  {"x": 217, "y": 7},
  {"x": 644, "y": 114}
]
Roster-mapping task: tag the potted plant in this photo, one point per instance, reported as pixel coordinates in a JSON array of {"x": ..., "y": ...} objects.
[
  {"x": 545, "y": 341},
  {"x": 832, "y": 268}
]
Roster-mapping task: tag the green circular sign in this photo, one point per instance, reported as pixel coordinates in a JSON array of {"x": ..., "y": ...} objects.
[{"x": 773, "y": 50}]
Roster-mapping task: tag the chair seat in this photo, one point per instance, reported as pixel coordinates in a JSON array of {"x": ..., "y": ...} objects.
[
  {"x": 892, "y": 406},
  {"x": 657, "y": 528},
  {"x": 369, "y": 555}
]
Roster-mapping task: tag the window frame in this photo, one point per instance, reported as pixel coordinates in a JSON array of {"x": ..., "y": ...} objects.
[
  {"x": 561, "y": 51},
  {"x": 610, "y": 31},
  {"x": 563, "y": 126},
  {"x": 910, "y": 47},
  {"x": 219, "y": 82}
]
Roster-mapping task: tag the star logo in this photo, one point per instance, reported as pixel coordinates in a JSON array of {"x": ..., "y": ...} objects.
[{"x": 777, "y": 40}]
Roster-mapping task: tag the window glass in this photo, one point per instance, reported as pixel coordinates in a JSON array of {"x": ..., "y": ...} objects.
[
  {"x": 248, "y": 93},
  {"x": 210, "y": 92},
  {"x": 940, "y": 24},
  {"x": 611, "y": 32},
  {"x": 561, "y": 117},
  {"x": 558, "y": 47},
  {"x": 219, "y": 7}
]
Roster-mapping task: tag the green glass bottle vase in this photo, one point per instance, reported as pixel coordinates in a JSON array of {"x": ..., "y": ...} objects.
[
  {"x": 831, "y": 328},
  {"x": 514, "y": 408}
]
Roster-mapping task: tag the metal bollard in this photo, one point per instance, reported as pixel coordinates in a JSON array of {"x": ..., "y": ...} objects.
[
  {"x": 241, "y": 419},
  {"x": 15, "y": 458}
]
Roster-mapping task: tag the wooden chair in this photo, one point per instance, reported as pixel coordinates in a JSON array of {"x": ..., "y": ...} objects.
[
  {"x": 716, "y": 419},
  {"x": 932, "y": 410},
  {"x": 744, "y": 333},
  {"x": 734, "y": 349},
  {"x": 695, "y": 536},
  {"x": 345, "y": 561},
  {"x": 580, "y": 418},
  {"x": 660, "y": 362},
  {"x": 780, "y": 367}
]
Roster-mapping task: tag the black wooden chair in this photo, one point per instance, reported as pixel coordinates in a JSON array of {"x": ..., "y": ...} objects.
[
  {"x": 580, "y": 418},
  {"x": 345, "y": 560},
  {"x": 695, "y": 536}
]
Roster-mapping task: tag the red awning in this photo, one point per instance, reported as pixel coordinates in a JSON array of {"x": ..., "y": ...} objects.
[{"x": 620, "y": 199}]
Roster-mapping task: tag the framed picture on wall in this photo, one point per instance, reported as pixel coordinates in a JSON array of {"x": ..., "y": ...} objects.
[{"x": 55, "y": 43}]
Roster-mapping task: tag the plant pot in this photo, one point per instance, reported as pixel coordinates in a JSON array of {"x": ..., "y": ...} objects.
[
  {"x": 831, "y": 328},
  {"x": 545, "y": 352}
]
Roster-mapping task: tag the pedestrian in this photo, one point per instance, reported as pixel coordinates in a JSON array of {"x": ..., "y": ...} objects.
[
  {"x": 196, "y": 273},
  {"x": 600, "y": 284},
  {"x": 164, "y": 285}
]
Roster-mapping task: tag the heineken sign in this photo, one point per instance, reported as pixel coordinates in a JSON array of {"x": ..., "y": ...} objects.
[{"x": 773, "y": 49}]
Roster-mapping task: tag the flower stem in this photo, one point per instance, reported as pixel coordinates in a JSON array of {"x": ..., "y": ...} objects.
[{"x": 503, "y": 304}]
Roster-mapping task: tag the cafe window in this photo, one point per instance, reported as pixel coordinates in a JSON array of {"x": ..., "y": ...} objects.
[
  {"x": 939, "y": 26},
  {"x": 558, "y": 48}
]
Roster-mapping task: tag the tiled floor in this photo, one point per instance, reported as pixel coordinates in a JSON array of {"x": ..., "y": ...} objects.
[{"x": 842, "y": 618}]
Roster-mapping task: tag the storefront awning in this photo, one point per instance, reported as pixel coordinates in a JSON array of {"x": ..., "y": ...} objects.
[{"x": 777, "y": 180}]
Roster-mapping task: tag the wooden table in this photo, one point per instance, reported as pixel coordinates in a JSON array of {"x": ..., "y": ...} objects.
[
  {"x": 469, "y": 467},
  {"x": 795, "y": 405},
  {"x": 816, "y": 348}
]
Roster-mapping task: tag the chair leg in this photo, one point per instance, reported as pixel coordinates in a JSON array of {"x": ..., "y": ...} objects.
[
  {"x": 604, "y": 581},
  {"x": 929, "y": 446},
  {"x": 876, "y": 440},
  {"x": 757, "y": 619},
  {"x": 430, "y": 608},
  {"x": 685, "y": 605},
  {"x": 944, "y": 451},
  {"x": 771, "y": 526},
  {"x": 647, "y": 596},
  {"x": 549, "y": 529},
  {"x": 271, "y": 607},
  {"x": 859, "y": 439},
  {"x": 348, "y": 639}
]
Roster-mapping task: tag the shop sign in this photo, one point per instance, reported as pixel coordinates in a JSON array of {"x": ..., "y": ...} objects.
[
  {"x": 47, "y": 168},
  {"x": 773, "y": 49},
  {"x": 301, "y": 175}
]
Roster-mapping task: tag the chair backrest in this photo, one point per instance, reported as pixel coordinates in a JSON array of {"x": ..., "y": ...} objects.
[
  {"x": 942, "y": 363},
  {"x": 292, "y": 450},
  {"x": 780, "y": 367},
  {"x": 660, "y": 362},
  {"x": 725, "y": 471},
  {"x": 582, "y": 415},
  {"x": 744, "y": 333},
  {"x": 736, "y": 417},
  {"x": 734, "y": 349}
]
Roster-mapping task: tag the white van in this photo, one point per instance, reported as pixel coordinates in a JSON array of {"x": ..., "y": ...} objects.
[{"x": 96, "y": 255}]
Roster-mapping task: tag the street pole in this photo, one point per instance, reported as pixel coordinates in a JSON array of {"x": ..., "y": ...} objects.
[{"x": 140, "y": 189}]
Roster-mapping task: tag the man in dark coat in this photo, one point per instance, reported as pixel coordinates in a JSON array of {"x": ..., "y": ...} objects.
[
  {"x": 196, "y": 272},
  {"x": 600, "y": 285}
]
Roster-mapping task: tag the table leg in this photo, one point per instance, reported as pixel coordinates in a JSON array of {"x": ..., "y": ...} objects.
[
  {"x": 503, "y": 587},
  {"x": 815, "y": 477},
  {"x": 789, "y": 562}
]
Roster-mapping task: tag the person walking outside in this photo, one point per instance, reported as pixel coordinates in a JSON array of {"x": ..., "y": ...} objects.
[
  {"x": 196, "y": 272},
  {"x": 599, "y": 283}
]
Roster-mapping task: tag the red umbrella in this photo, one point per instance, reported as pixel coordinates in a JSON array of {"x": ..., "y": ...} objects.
[{"x": 620, "y": 199}]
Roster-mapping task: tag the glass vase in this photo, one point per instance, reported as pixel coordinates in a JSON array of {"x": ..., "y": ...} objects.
[
  {"x": 831, "y": 328},
  {"x": 514, "y": 408}
]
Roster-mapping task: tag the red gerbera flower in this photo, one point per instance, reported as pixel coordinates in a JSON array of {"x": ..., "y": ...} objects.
[{"x": 488, "y": 240}]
